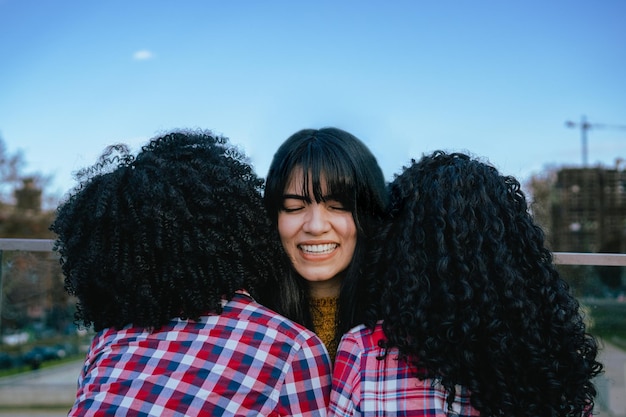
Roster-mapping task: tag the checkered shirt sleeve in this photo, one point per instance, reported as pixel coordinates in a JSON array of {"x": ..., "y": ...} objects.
[
  {"x": 306, "y": 389},
  {"x": 246, "y": 361},
  {"x": 346, "y": 384},
  {"x": 366, "y": 386}
]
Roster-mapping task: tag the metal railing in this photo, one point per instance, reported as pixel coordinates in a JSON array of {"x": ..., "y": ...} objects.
[
  {"x": 561, "y": 258},
  {"x": 598, "y": 259},
  {"x": 29, "y": 245}
]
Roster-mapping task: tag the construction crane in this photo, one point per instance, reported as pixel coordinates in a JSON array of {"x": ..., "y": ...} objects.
[{"x": 584, "y": 126}]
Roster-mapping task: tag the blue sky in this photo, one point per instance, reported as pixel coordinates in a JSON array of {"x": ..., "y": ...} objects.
[{"x": 495, "y": 78}]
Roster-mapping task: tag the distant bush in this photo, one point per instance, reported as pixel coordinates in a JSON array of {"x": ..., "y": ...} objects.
[{"x": 608, "y": 320}]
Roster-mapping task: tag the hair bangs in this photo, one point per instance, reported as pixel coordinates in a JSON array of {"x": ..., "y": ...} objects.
[{"x": 326, "y": 175}]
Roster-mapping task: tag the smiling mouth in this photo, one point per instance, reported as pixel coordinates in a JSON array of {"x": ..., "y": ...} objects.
[{"x": 318, "y": 249}]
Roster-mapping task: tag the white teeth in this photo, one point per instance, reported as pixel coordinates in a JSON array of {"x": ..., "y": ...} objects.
[{"x": 325, "y": 248}]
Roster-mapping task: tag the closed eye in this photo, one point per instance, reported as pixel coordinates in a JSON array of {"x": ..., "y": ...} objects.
[
  {"x": 337, "y": 202},
  {"x": 336, "y": 205},
  {"x": 292, "y": 209},
  {"x": 293, "y": 204}
]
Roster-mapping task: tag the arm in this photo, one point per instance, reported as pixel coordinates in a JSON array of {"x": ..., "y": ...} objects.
[
  {"x": 306, "y": 389},
  {"x": 346, "y": 386}
]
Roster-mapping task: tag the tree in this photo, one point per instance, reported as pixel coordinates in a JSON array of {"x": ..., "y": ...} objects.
[
  {"x": 541, "y": 189},
  {"x": 10, "y": 167},
  {"x": 31, "y": 284},
  {"x": 20, "y": 198}
]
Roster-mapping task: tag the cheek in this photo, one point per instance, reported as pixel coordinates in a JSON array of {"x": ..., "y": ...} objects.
[
  {"x": 349, "y": 234},
  {"x": 348, "y": 228},
  {"x": 286, "y": 226}
]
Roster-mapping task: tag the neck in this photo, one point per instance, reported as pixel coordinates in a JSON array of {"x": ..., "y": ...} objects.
[{"x": 324, "y": 289}]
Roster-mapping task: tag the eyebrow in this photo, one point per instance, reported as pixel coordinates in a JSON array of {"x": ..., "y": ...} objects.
[
  {"x": 296, "y": 197},
  {"x": 331, "y": 197}
]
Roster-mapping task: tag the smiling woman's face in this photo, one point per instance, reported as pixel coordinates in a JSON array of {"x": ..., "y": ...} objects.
[{"x": 319, "y": 238}]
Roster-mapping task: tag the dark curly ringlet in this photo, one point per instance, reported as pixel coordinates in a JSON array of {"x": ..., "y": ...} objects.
[
  {"x": 470, "y": 294},
  {"x": 165, "y": 234}
]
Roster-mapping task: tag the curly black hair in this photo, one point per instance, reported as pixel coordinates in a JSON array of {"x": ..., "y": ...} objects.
[
  {"x": 470, "y": 294},
  {"x": 168, "y": 233}
]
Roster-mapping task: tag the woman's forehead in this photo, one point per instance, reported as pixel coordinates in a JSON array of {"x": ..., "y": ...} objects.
[{"x": 296, "y": 182}]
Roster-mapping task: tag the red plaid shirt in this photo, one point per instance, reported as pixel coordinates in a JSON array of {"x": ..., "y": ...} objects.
[
  {"x": 246, "y": 361},
  {"x": 366, "y": 386}
]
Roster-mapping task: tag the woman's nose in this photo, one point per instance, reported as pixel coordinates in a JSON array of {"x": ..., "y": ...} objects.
[{"x": 316, "y": 221}]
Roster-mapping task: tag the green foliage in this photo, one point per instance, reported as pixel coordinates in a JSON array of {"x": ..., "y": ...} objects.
[{"x": 608, "y": 319}]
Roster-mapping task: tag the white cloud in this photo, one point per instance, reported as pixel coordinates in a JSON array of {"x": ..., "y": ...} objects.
[{"x": 143, "y": 55}]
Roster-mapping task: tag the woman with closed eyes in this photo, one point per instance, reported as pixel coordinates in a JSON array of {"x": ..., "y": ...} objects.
[{"x": 325, "y": 193}]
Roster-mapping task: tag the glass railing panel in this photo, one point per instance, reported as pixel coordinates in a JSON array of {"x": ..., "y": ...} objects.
[{"x": 41, "y": 350}]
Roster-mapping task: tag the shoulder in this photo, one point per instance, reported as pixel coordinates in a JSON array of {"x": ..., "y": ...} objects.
[
  {"x": 359, "y": 348},
  {"x": 297, "y": 351},
  {"x": 275, "y": 326},
  {"x": 365, "y": 338}
]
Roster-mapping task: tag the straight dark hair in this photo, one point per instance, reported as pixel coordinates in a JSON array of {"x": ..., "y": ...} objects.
[{"x": 337, "y": 162}]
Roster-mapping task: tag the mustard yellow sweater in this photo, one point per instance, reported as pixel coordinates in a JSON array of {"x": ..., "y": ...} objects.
[{"x": 324, "y": 316}]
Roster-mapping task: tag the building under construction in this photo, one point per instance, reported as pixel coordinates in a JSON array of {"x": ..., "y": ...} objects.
[{"x": 588, "y": 210}]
